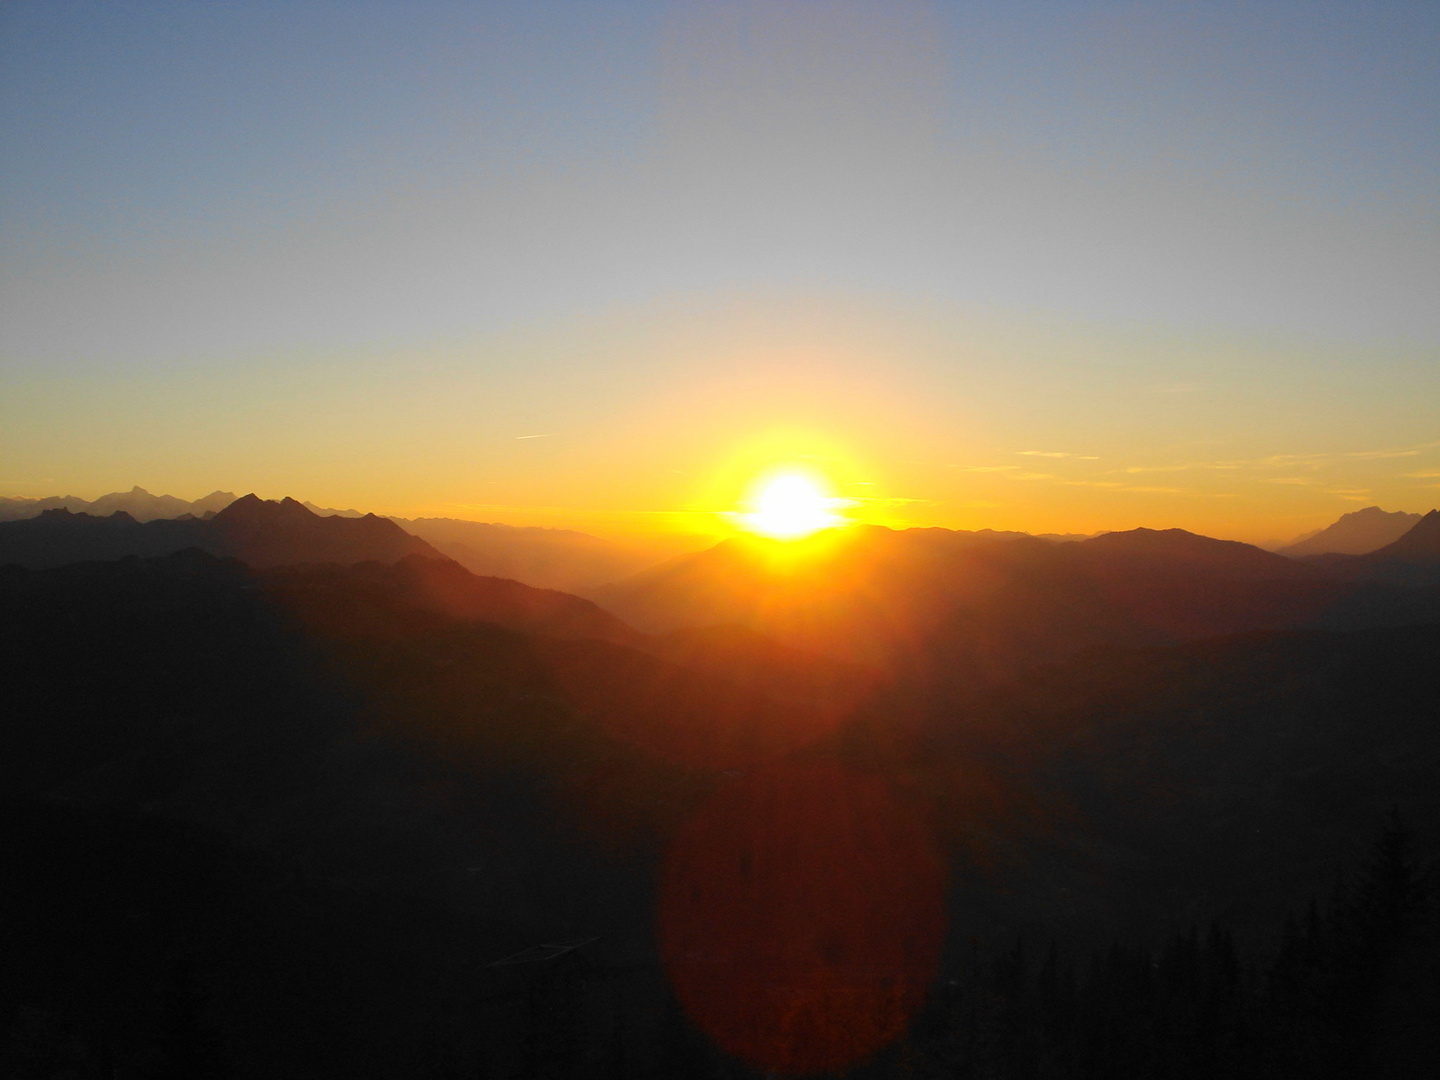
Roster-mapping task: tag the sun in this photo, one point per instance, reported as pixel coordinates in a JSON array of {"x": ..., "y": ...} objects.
[{"x": 790, "y": 506}]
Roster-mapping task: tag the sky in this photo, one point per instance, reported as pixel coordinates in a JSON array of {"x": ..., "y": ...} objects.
[{"x": 1057, "y": 267}]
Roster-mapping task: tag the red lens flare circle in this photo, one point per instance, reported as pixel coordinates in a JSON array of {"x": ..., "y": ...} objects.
[{"x": 801, "y": 917}]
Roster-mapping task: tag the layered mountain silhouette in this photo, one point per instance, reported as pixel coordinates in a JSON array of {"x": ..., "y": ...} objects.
[
  {"x": 370, "y": 596},
  {"x": 260, "y": 533},
  {"x": 287, "y": 822},
  {"x": 1412, "y": 561},
  {"x": 1420, "y": 545},
  {"x": 1354, "y": 534},
  {"x": 137, "y": 502},
  {"x": 977, "y": 601},
  {"x": 546, "y": 558}
]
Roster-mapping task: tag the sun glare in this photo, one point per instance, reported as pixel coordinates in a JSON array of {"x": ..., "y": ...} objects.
[{"x": 790, "y": 506}]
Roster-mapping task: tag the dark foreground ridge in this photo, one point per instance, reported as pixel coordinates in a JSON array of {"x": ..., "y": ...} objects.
[{"x": 291, "y": 823}]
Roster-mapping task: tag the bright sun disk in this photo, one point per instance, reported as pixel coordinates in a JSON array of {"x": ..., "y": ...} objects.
[{"x": 790, "y": 506}]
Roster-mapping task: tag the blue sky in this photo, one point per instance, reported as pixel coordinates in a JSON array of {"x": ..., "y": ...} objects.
[{"x": 286, "y": 208}]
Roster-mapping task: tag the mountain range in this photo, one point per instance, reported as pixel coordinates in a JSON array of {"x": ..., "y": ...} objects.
[
  {"x": 137, "y": 503},
  {"x": 546, "y": 558},
  {"x": 291, "y": 795},
  {"x": 296, "y": 821},
  {"x": 953, "y": 604},
  {"x": 260, "y": 533},
  {"x": 985, "y": 606}
]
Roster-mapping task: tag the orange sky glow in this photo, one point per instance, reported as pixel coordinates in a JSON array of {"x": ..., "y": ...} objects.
[{"x": 972, "y": 267}]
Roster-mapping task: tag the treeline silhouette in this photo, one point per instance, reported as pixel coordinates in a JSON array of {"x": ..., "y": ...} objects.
[{"x": 1349, "y": 988}]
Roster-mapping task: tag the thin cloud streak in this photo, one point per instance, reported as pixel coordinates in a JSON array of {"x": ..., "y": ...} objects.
[{"x": 1290, "y": 461}]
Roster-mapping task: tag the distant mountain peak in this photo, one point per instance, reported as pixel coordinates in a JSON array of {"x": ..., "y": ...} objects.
[
  {"x": 247, "y": 507},
  {"x": 259, "y": 532},
  {"x": 1355, "y": 533},
  {"x": 1421, "y": 544}
]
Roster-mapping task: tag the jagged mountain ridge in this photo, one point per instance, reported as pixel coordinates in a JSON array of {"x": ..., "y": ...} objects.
[
  {"x": 1412, "y": 561},
  {"x": 258, "y": 532},
  {"x": 545, "y": 558},
  {"x": 137, "y": 502},
  {"x": 1356, "y": 533},
  {"x": 1421, "y": 544}
]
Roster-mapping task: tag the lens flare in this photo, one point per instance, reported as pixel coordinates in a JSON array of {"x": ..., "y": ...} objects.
[{"x": 801, "y": 917}]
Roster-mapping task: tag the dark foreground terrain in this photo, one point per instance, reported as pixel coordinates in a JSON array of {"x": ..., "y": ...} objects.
[{"x": 396, "y": 821}]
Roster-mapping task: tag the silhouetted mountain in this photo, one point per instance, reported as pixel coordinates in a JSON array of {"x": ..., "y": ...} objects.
[
  {"x": 212, "y": 503},
  {"x": 19, "y": 509},
  {"x": 1420, "y": 545},
  {"x": 343, "y": 598},
  {"x": 1411, "y": 562},
  {"x": 976, "y": 604},
  {"x": 328, "y": 512},
  {"x": 260, "y": 533},
  {"x": 285, "y": 822},
  {"x": 137, "y": 502},
  {"x": 1354, "y": 534},
  {"x": 545, "y": 558},
  {"x": 1180, "y": 550},
  {"x": 266, "y": 533}
]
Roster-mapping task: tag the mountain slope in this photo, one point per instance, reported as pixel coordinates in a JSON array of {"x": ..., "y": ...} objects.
[
  {"x": 973, "y": 605},
  {"x": 1420, "y": 545},
  {"x": 1354, "y": 534},
  {"x": 258, "y": 532},
  {"x": 546, "y": 558},
  {"x": 1411, "y": 562},
  {"x": 265, "y": 533}
]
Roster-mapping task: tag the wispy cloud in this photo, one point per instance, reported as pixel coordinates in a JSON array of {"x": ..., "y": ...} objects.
[
  {"x": 1314, "y": 462},
  {"x": 988, "y": 468},
  {"x": 1383, "y": 453},
  {"x": 1186, "y": 467},
  {"x": 867, "y": 500},
  {"x": 1429, "y": 474},
  {"x": 550, "y": 435},
  {"x": 1057, "y": 454}
]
